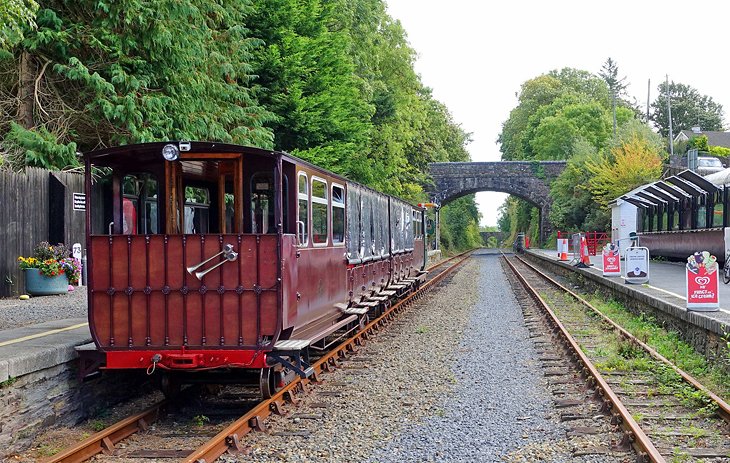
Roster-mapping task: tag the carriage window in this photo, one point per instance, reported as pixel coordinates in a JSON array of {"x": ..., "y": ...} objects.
[
  {"x": 417, "y": 225},
  {"x": 319, "y": 211},
  {"x": 338, "y": 214},
  {"x": 139, "y": 189},
  {"x": 303, "y": 215},
  {"x": 197, "y": 205},
  {"x": 262, "y": 203}
]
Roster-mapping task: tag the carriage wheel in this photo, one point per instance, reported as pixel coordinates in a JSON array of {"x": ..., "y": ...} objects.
[
  {"x": 267, "y": 382},
  {"x": 170, "y": 386}
]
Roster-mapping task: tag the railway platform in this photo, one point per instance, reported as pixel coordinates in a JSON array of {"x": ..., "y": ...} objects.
[
  {"x": 664, "y": 296},
  {"x": 36, "y": 347}
]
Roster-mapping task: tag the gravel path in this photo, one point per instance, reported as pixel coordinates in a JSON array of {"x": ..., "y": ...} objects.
[
  {"x": 409, "y": 394},
  {"x": 15, "y": 313}
]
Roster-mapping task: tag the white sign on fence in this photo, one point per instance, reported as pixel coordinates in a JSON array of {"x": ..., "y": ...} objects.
[{"x": 79, "y": 201}]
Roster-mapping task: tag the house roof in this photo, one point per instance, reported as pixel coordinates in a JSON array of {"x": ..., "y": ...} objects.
[{"x": 713, "y": 138}]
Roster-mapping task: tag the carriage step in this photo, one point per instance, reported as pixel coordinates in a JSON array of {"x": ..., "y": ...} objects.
[
  {"x": 291, "y": 344},
  {"x": 356, "y": 310},
  {"x": 368, "y": 303},
  {"x": 386, "y": 293},
  {"x": 397, "y": 286}
]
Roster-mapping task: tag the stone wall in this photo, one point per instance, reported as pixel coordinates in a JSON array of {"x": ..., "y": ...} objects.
[{"x": 54, "y": 396}]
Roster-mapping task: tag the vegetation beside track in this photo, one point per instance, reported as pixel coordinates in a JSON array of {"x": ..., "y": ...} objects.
[
  {"x": 614, "y": 354},
  {"x": 715, "y": 376}
]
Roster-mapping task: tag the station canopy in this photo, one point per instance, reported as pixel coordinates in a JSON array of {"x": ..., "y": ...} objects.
[
  {"x": 685, "y": 184},
  {"x": 721, "y": 178}
]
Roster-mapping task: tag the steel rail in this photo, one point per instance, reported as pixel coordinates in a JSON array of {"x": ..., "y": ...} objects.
[
  {"x": 639, "y": 439},
  {"x": 723, "y": 407},
  {"x": 104, "y": 441},
  {"x": 230, "y": 436}
]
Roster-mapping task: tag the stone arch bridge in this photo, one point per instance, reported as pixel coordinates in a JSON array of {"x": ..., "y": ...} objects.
[{"x": 529, "y": 180}]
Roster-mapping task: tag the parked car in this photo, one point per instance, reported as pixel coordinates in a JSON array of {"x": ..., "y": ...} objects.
[
  {"x": 705, "y": 164},
  {"x": 708, "y": 165}
]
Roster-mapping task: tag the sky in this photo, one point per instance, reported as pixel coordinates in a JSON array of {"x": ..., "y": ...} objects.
[{"x": 475, "y": 54}]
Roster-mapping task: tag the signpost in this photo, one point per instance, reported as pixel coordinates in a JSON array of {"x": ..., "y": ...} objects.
[
  {"x": 611, "y": 260},
  {"x": 703, "y": 283},
  {"x": 637, "y": 266}
]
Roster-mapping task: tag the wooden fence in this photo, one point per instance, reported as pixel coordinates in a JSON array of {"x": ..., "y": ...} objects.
[{"x": 36, "y": 205}]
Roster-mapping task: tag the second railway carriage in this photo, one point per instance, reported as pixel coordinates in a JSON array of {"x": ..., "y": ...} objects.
[{"x": 213, "y": 261}]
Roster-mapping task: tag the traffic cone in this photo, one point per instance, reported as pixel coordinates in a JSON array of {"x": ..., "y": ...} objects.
[
  {"x": 585, "y": 261},
  {"x": 562, "y": 249}
]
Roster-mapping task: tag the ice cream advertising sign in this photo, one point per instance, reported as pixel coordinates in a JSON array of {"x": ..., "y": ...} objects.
[
  {"x": 703, "y": 290},
  {"x": 611, "y": 260},
  {"x": 637, "y": 265}
]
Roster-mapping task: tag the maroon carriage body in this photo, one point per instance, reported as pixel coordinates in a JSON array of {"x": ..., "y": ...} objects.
[{"x": 210, "y": 259}]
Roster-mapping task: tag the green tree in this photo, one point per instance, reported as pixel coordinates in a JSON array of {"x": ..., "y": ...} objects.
[
  {"x": 307, "y": 79},
  {"x": 616, "y": 85},
  {"x": 594, "y": 177},
  {"x": 542, "y": 97},
  {"x": 106, "y": 73},
  {"x": 16, "y": 18},
  {"x": 635, "y": 161},
  {"x": 572, "y": 201},
  {"x": 689, "y": 109},
  {"x": 699, "y": 143},
  {"x": 460, "y": 225}
]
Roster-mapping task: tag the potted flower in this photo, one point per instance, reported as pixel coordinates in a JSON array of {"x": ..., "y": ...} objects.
[{"x": 49, "y": 270}]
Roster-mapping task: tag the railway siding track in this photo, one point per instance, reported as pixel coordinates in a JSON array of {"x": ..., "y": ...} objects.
[
  {"x": 667, "y": 414},
  {"x": 591, "y": 430},
  {"x": 231, "y": 436}
]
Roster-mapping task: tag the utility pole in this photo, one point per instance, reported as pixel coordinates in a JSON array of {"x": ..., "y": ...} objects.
[
  {"x": 648, "y": 98},
  {"x": 669, "y": 111},
  {"x": 614, "y": 113}
]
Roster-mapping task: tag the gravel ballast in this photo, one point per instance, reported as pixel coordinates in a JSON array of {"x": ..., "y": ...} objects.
[{"x": 454, "y": 379}]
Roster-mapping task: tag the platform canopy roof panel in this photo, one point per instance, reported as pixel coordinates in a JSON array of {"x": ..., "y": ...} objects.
[
  {"x": 686, "y": 184},
  {"x": 698, "y": 180}
]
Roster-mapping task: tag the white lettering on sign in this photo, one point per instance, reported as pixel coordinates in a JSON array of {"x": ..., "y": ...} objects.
[{"x": 79, "y": 201}]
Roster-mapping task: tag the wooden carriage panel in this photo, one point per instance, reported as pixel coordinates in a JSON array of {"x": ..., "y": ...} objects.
[{"x": 143, "y": 296}]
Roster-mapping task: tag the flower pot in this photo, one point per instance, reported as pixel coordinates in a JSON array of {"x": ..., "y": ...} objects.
[{"x": 41, "y": 285}]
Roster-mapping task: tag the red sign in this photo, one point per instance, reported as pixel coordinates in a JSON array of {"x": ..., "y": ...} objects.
[
  {"x": 611, "y": 260},
  {"x": 702, "y": 282}
]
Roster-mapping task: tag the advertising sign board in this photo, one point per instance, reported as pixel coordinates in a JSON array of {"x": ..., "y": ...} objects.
[
  {"x": 611, "y": 260},
  {"x": 703, "y": 284},
  {"x": 637, "y": 265}
]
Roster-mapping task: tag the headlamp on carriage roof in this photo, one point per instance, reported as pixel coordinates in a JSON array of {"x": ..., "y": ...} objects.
[{"x": 170, "y": 152}]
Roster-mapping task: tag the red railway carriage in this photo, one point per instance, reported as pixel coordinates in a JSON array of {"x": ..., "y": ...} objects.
[{"x": 223, "y": 259}]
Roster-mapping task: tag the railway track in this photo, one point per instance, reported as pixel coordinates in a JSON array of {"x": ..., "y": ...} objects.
[
  {"x": 665, "y": 414},
  {"x": 155, "y": 437}
]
